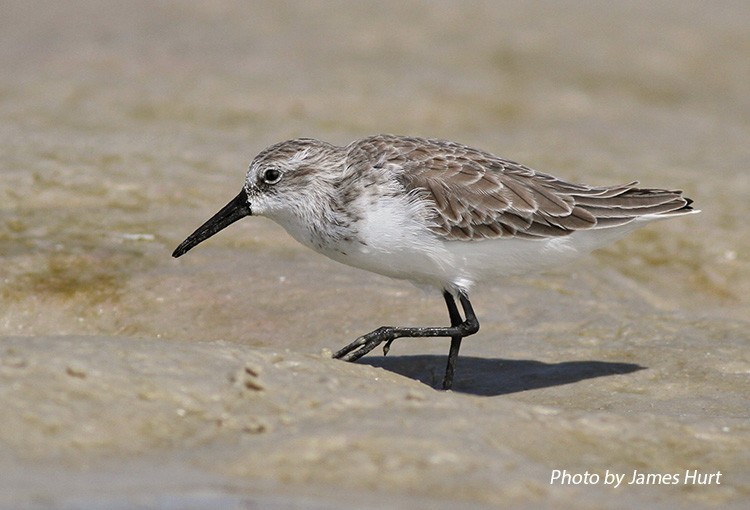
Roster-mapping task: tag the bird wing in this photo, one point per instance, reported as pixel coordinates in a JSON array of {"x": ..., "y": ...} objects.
[{"x": 477, "y": 195}]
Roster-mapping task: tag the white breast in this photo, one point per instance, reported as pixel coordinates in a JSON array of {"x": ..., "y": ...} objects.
[{"x": 393, "y": 239}]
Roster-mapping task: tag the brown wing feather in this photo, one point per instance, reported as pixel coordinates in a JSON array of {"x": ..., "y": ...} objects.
[{"x": 480, "y": 196}]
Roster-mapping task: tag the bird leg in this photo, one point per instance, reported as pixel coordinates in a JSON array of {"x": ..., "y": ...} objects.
[
  {"x": 455, "y": 340},
  {"x": 458, "y": 329}
]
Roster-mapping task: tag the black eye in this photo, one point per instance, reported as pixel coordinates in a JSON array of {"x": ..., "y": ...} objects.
[{"x": 271, "y": 176}]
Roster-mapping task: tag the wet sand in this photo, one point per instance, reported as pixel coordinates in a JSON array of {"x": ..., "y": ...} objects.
[{"x": 130, "y": 378}]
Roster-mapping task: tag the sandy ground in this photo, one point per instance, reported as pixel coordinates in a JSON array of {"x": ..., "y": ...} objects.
[
  {"x": 130, "y": 379},
  {"x": 210, "y": 421}
]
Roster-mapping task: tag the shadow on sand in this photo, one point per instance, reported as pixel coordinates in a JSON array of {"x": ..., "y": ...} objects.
[{"x": 490, "y": 377}]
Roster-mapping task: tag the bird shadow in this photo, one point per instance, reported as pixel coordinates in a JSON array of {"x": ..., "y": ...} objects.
[{"x": 492, "y": 377}]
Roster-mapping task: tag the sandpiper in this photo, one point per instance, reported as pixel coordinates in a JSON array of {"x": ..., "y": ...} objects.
[{"x": 434, "y": 212}]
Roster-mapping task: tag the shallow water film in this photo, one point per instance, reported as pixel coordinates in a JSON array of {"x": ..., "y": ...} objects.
[{"x": 129, "y": 378}]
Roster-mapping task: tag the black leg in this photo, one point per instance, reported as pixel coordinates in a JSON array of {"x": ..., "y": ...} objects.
[
  {"x": 388, "y": 334},
  {"x": 455, "y": 340}
]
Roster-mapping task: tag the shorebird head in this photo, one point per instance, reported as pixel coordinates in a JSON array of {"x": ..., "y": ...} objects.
[{"x": 282, "y": 182}]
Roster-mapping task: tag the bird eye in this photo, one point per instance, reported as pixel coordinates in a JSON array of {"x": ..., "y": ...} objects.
[{"x": 271, "y": 176}]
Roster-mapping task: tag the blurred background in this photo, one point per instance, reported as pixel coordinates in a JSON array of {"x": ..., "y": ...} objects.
[{"x": 125, "y": 125}]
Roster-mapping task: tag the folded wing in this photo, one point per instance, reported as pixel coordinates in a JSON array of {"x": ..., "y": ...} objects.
[{"x": 480, "y": 196}]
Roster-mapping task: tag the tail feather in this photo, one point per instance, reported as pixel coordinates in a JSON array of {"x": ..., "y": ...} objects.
[{"x": 633, "y": 203}]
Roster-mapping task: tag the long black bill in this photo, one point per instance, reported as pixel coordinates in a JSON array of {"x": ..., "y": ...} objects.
[{"x": 235, "y": 210}]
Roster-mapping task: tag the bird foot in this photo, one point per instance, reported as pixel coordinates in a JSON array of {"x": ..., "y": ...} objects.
[{"x": 367, "y": 343}]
